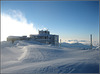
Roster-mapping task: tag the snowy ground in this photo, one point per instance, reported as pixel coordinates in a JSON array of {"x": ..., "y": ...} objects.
[{"x": 33, "y": 57}]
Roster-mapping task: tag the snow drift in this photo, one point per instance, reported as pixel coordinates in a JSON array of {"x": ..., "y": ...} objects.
[{"x": 34, "y": 57}]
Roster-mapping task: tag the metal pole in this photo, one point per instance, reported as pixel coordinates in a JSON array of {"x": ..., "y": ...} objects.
[
  {"x": 91, "y": 40},
  {"x": 60, "y": 42}
]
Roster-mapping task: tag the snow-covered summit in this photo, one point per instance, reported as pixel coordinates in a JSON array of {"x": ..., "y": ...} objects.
[{"x": 34, "y": 57}]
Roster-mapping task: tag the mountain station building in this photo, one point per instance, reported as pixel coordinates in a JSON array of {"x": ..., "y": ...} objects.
[{"x": 44, "y": 36}]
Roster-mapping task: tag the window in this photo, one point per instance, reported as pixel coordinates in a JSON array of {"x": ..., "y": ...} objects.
[{"x": 45, "y": 37}]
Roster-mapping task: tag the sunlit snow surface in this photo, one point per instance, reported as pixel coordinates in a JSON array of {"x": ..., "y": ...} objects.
[{"x": 34, "y": 57}]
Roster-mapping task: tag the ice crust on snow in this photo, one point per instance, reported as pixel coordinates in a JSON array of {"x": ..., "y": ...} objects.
[{"x": 34, "y": 57}]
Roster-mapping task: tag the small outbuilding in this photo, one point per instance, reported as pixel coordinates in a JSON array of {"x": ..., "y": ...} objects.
[{"x": 14, "y": 38}]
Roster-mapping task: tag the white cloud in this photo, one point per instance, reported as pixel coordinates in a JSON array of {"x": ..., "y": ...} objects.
[
  {"x": 73, "y": 41},
  {"x": 79, "y": 41},
  {"x": 14, "y": 23},
  {"x": 95, "y": 43}
]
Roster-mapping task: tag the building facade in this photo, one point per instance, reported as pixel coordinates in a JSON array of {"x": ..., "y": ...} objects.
[
  {"x": 46, "y": 37},
  {"x": 42, "y": 37}
]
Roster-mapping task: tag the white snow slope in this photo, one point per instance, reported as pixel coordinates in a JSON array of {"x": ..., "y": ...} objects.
[{"x": 27, "y": 57}]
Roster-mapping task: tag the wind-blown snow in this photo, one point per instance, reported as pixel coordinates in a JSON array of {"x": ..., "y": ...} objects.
[
  {"x": 14, "y": 22},
  {"x": 34, "y": 57}
]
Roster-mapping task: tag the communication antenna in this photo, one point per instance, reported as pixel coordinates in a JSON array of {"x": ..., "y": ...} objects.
[{"x": 91, "y": 41}]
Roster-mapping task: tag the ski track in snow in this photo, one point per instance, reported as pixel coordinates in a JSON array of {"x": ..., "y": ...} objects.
[{"x": 24, "y": 57}]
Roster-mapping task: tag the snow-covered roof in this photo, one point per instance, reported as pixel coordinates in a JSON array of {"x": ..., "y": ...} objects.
[{"x": 13, "y": 36}]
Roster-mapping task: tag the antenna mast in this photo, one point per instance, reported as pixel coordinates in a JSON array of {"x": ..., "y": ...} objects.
[{"x": 91, "y": 40}]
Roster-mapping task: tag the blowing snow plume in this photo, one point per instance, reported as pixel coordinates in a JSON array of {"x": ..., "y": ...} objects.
[{"x": 14, "y": 23}]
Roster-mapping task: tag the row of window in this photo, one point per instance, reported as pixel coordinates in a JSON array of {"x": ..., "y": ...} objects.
[{"x": 43, "y": 37}]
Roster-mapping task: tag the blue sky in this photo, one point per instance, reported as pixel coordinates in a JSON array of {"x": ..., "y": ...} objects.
[{"x": 68, "y": 19}]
